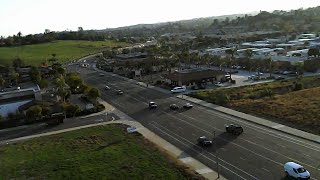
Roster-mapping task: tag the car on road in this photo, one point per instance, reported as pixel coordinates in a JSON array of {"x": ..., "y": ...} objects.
[
  {"x": 219, "y": 84},
  {"x": 101, "y": 74},
  {"x": 152, "y": 105},
  {"x": 234, "y": 129},
  {"x": 187, "y": 106},
  {"x": 174, "y": 107},
  {"x": 204, "y": 141},
  {"x": 296, "y": 171},
  {"x": 107, "y": 87},
  {"x": 259, "y": 73},
  {"x": 178, "y": 89},
  {"x": 119, "y": 92},
  {"x": 279, "y": 78}
]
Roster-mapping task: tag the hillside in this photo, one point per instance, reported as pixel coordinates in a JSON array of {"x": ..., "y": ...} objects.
[{"x": 64, "y": 50}]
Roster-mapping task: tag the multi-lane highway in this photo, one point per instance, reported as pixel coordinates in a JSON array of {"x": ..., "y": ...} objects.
[{"x": 258, "y": 153}]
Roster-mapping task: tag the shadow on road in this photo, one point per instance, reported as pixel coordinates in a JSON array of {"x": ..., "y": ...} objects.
[{"x": 222, "y": 140}]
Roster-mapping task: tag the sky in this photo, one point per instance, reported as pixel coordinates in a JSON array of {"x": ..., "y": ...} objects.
[{"x": 34, "y": 16}]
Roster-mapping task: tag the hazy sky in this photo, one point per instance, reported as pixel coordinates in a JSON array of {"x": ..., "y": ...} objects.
[{"x": 34, "y": 16}]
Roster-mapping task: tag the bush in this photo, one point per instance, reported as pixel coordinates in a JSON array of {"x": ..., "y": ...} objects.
[
  {"x": 33, "y": 114},
  {"x": 221, "y": 99},
  {"x": 71, "y": 110},
  {"x": 298, "y": 86},
  {"x": 100, "y": 107}
]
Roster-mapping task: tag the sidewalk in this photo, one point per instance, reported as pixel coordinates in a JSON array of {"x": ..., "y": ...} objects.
[{"x": 256, "y": 120}]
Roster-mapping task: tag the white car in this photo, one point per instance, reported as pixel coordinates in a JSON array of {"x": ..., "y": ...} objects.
[
  {"x": 178, "y": 89},
  {"x": 296, "y": 170},
  {"x": 219, "y": 84}
]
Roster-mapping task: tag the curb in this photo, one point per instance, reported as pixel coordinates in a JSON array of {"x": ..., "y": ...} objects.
[{"x": 316, "y": 139}]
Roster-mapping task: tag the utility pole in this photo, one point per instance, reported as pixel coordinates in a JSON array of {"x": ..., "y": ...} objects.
[{"x": 216, "y": 152}]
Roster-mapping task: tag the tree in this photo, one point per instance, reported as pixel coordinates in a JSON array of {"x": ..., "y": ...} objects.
[
  {"x": 231, "y": 52},
  {"x": 313, "y": 52},
  {"x": 17, "y": 63},
  {"x": 19, "y": 34},
  {"x": 2, "y": 81},
  {"x": 72, "y": 110},
  {"x": 14, "y": 77},
  {"x": 43, "y": 83},
  {"x": 248, "y": 53},
  {"x": 94, "y": 93},
  {"x": 34, "y": 113},
  {"x": 35, "y": 74}
]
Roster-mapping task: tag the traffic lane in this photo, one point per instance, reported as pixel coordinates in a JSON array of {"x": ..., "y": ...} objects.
[
  {"x": 231, "y": 165},
  {"x": 290, "y": 147},
  {"x": 232, "y": 150},
  {"x": 248, "y": 138}
]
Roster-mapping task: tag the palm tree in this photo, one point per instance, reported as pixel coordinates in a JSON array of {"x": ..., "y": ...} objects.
[
  {"x": 2, "y": 81},
  {"x": 248, "y": 53}
]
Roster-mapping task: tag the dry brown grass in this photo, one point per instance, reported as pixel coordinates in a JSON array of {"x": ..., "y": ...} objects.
[{"x": 300, "y": 109}]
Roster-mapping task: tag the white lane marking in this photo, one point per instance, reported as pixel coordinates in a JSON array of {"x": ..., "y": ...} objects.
[
  {"x": 203, "y": 154},
  {"x": 265, "y": 169},
  {"x": 242, "y": 158},
  {"x": 307, "y": 155},
  {"x": 253, "y": 152},
  {"x": 281, "y": 145},
  {"x": 99, "y": 120},
  {"x": 223, "y": 149},
  {"x": 193, "y": 134},
  {"x": 268, "y": 132},
  {"x": 259, "y": 137}
]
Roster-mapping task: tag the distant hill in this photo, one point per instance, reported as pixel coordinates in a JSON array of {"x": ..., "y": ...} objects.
[{"x": 300, "y": 20}]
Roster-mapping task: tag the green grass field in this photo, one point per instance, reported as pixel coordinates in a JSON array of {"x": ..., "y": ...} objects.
[
  {"x": 103, "y": 152},
  {"x": 64, "y": 50}
]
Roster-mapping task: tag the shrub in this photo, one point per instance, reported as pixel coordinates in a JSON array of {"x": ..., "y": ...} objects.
[
  {"x": 298, "y": 86},
  {"x": 221, "y": 98}
]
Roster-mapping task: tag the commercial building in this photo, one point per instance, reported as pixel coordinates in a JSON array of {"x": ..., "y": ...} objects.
[{"x": 12, "y": 99}]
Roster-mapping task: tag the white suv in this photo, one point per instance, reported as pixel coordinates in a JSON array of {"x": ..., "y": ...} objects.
[{"x": 178, "y": 89}]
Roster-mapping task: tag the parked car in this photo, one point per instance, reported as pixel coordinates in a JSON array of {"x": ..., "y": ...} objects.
[
  {"x": 152, "y": 105},
  {"x": 204, "y": 141},
  {"x": 234, "y": 129},
  {"x": 107, "y": 87},
  {"x": 187, "y": 106},
  {"x": 279, "y": 78},
  {"x": 119, "y": 92},
  {"x": 259, "y": 73},
  {"x": 179, "y": 89},
  {"x": 296, "y": 170},
  {"x": 174, "y": 106},
  {"x": 219, "y": 84}
]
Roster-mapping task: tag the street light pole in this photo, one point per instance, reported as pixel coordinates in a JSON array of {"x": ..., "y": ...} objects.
[{"x": 216, "y": 152}]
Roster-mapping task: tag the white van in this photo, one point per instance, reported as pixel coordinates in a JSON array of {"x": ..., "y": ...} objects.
[
  {"x": 178, "y": 89},
  {"x": 296, "y": 170}
]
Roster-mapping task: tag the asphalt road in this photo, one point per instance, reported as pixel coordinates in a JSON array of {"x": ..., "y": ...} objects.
[{"x": 258, "y": 153}]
